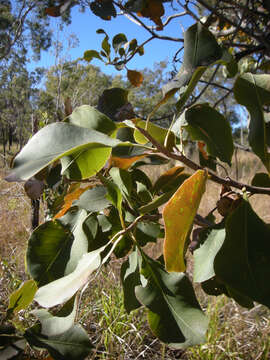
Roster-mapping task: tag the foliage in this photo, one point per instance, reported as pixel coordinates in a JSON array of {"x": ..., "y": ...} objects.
[{"x": 118, "y": 214}]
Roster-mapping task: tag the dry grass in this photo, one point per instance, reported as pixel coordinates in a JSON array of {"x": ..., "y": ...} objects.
[{"x": 234, "y": 333}]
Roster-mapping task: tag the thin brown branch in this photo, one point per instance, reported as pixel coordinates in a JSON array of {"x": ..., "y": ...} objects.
[{"x": 194, "y": 166}]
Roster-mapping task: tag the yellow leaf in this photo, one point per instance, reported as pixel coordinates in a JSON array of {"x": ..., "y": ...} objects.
[
  {"x": 68, "y": 200},
  {"x": 178, "y": 215},
  {"x": 135, "y": 77}
]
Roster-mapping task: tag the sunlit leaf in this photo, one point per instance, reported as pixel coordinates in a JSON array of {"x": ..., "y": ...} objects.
[
  {"x": 167, "y": 180},
  {"x": 135, "y": 77},
  {"x": 125, "y": 163},
  {"x": 22, "y": 297},
  {"x": 178, "y": 215},
  {"x": 89, "y": 55},
  {"x": 205, "y": 255}
]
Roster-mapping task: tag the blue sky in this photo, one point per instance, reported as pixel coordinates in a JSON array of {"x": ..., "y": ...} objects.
[{"x": 84, "y": 26}]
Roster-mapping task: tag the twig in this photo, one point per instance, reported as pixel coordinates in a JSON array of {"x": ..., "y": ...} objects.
[{"x": 192, "y": 165}]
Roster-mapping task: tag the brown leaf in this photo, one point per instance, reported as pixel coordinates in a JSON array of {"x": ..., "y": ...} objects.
[
  {"x": 201, "y": 146},
  {"x": 154, "y": 10},
  {"x": 125, "y": 163},
  {"x": 135, "y": 77},
  {"x": 69, "y": 198}
]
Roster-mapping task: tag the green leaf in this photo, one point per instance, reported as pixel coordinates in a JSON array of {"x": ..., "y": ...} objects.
[
  {"x": 57, "y": 140},
  {"x": 244, "y": 258},
  {"x": 48, "y": 251},
  {"x": 156, "y": 203},
  {"x": 178, "y": 215},
  {"x": 59, "y": 291},
  {"x": 96, "y": 236},
  {"x": 122, "y": 179},
  {"x": 169, "y": 180},
  {"x": 75, "y": 220},
  {"x": 55, "y": 325},
  {"x": 73, "y": 344},
  {"x": 89, "y": 55},
  {"x": 205, "y": 123},
  {"x": 201, "y": 50},
  {"x": 94, "y": 199},
  {"x": 261, "y": 179},
  {"x": 175, "y": 316},
  {"x": 22, "y": 297},
  {"x": 253, "y": 91},
  {"x": 157, "y": 132},
  {"x": 130, "y": 278},
  {"x": 88, "y": 117},
  {"x": 147, "y": 232},
  {"x": 118, "y": 41},
  {"x": 111, "y": 101},
  {"x": 204, "y": 256},
  {"x": 105, "y": 9}
]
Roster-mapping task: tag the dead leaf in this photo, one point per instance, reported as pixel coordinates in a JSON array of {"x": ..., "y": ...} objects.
[{"x": 135, "y": 77}]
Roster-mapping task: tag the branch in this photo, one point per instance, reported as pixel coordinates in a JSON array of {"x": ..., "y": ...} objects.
[{"x": 192, "y": 165}]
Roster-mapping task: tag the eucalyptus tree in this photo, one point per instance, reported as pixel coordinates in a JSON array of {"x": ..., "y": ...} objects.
[{"x": 110, "y": 207}]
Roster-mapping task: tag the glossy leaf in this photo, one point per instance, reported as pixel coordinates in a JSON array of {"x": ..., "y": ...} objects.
[
  {"x": 253, "y": 91},
  {"x": 125, "y": 163},
  {"x": 147, "y": 232},
  {"x": 48, "y": 251},
  {"x": 22, "y": 297},
  {"x": 204, "y": 256},
  {"x": 122, "y": 179},
  {"x": 206, "y": 124},
  {"x": 178, "y": 215},
  {"x": 175, "y": 316},
  {"x": 73, "y": 344},
  {"x": 57, "y": 140},
  {"x": 156, "y": 203},
  {"x": 130, "y": 278},
  {"x": 135, "y": 78},
  {"x": 243, "y": 260}
]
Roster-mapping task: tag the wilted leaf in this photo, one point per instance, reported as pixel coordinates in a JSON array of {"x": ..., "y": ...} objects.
[
  {"x": 178, "y": 215},
  {"x": 154, "y": 10},
  {"x": 135, "y": 77}
]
